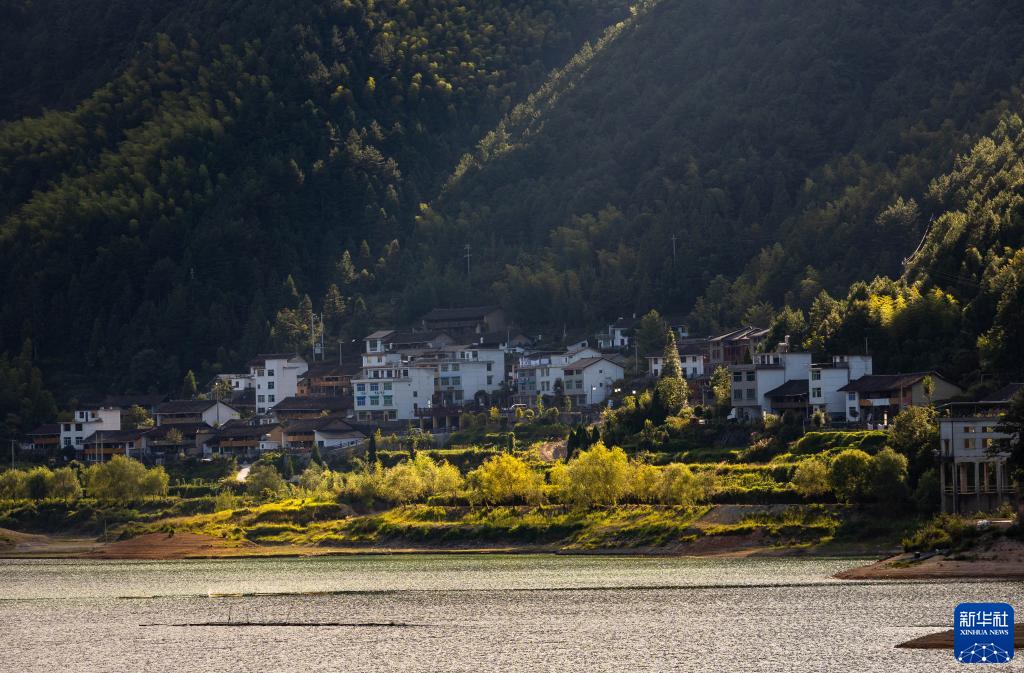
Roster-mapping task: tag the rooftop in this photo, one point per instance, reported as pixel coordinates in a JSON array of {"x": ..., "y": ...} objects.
[
  {"x": 185, "y": 406},
  {"x": 791, "y": 388},
  {"x": 885, "y": 382},
  {"x": 313, "y": 404}
]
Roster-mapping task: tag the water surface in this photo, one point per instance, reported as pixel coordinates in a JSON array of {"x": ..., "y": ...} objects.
[{"x": 472, "y": 613}]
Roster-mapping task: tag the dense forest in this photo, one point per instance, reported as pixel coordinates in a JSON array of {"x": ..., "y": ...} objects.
[
  {"x": 168, "y": 219},
  {"x": 182, "y": 186}
]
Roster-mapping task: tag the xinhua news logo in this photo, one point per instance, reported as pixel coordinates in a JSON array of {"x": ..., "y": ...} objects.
[{"x": 983, "y": 633}]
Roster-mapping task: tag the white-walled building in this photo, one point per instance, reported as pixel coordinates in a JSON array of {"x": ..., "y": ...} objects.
[
  {"x": 826, "y": 380},
  {"x": 691, "y": 357},
  {"x": 541, "y": 373},
  {"x": 590, "y": 381},
  {"x": 392, "y": 391},
  {"x": 752, "y": 384},
  {"x": 617, "y": 335},
  {"x": 211, "y": 412},
  {"x": 85, "y": 422},
  {"x": 973, "y": 478},
  {"x": 275, "y": 377},
  {"x": 875, "y": 399}
]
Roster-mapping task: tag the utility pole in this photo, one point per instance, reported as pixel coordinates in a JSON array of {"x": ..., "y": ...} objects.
[
  {"x": 674, "y": 249},
  {"x": 467, "y": 255}
]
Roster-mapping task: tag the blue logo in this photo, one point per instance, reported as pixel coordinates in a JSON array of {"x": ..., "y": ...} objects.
[{"x": 983, "y": 633}]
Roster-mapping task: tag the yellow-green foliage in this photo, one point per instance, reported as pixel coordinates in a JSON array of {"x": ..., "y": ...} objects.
[
  {"x": 599, "y": 476},
  {"x": 811, "y": 477},
  {"x": 40, "y": 483},
  {"x": 506, "y": 479},
  {"x": 124, "y": 479}
]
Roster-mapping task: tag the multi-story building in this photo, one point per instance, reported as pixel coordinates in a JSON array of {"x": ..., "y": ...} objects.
[
  {"x": 875, "y": 399},
  {"x": 327, "y": 379},
  {"x": 465, "y": 322},
  {"x": 275, "y": 377},
  {"x": 617, "y": 335},
  {"x": 590, "y": 381},
  {"x": 542, "y": 373},
  {"x": 692, "y": 356},
  {"x": 756, "y": 385},
  {"x": 736, "y": 347},
  {"x": 974, "y": 475},
  {"x": 103, "y": 445},
  {"x": 827, "y": 379},
  {"x": 87, "y": 421}
]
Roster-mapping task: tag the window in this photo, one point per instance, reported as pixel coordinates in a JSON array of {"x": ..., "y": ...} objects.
[
  {"x": 968, "y": 443},
  {"x": 968, "y": 428},
  {"x": 392, "y": 415},
  {"x": 388, "y": 400},
  {"x": 489, "y": 365},
  {"x": 405, "y": 373},
  {"x": 750, "y": 393},
  {"x": 444, "y": 368},
  {"x": 737, "y": 394},
  {"x": 751, "y": 376},
  {"x": 490, "y": 380},
  {"x": 67, "y": 427},
  {"x": 270, "y": 398},
  {"x": 455, "y": 368},
  {"x": 361, "y": 401},
  {"x": 360, "y": 387},
  {"x": 270, "y": 372},
  {"x": 261, "y": 398},
  {"x": 816, "y": 375},
  {"x": 387, "y": 386},
  {"x": 737, "y": 376},
  {"x": 851, "y": 396},
  {"x": 270, "y": 385},
  {"x": 446, "y": 381},
  {"x": 456, "y": 380},
  {"x": 374, "y": 401},
  {"x": 415, "y": 393},
  {"x": 78, "y": 427},
  {"x": 374, "y": 387},
  {"x": 816, "y": 392}
]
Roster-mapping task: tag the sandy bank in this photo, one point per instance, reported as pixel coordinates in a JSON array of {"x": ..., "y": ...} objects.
[
  {"x": 1003, "y": 559},
  {"x": 944, "y": 640}
]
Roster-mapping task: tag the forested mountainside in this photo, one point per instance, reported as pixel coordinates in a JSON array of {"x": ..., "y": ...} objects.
[
  {"x": 738, "y": 162},
  {"x": 161, "y": 222},
  {"x": 771, "y": 141}
]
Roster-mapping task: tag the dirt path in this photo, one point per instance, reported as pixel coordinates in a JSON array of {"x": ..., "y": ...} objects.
[{"x": 1003, "y": 559}]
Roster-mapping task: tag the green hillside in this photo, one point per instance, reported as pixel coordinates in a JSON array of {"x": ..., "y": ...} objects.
[
  {"x": 770, "y": 140},
  {"x": 243, "y": 165},
  {"x": 161, "y": 222}
]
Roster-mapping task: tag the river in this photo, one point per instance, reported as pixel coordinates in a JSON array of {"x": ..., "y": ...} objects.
[{"x": 498, "y": 613}]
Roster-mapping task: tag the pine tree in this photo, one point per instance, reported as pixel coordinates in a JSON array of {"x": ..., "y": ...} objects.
[
  {"x": 189, "y": 387},
  {"x": 672, "y": 366}
]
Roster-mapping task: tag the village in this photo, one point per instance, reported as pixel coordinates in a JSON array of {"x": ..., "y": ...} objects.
[{"x": 425, "y": 378}]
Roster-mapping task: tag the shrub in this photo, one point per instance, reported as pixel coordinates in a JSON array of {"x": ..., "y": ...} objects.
[
  {"x": 679, "y": 485},
  {"x": 264, "y": 481},
  {"x": 598, "y": 476},
  {"x": 125, "y": 479},
  {"x": 506, "y": 479},
  {"x": 945, "y": 531},
  {"x": 849, "y": 475},
  {"x": 888, "y": 477},
  {"x": 811, "y": 477},
  {"x": 12, "y": 485},
  {"x": 65, "y": 484}
]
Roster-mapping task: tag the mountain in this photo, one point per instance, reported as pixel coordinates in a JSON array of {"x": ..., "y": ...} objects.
[
  {"x": 230, "y": 155},
  {"x": 725, "y": 158},
  {"x": 212, "y": 175}
]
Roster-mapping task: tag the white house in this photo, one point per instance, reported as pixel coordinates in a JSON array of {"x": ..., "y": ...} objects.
[
  {"x": 275, "y": 377},
  {"x": 827, "y": 379},
  {"x": 393, "y": 391},
  {"x": 753, "y": 384},
  {"x": 973, "y": 477},
  {"x": 85, "y": 422},
  {"x": 211, "y": 412},
  {"x": 541, "y": 373},
  {"x": 590, "y": 381},
  {"x": 691, "y": 357},
  {"x": 617, "y": 335}
]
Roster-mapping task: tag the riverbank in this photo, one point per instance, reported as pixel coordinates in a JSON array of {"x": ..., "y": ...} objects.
[
  {"x": 300, "y": 528},
  {"x": 1002, "y": 558}
]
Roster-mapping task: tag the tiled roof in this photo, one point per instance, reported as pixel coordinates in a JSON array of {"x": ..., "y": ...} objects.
[
  {"x": 45, "y": 429},
  {"x": 313, "y": 404},
  {"x": 882, "y": 382},
  {"x": 791, "y": 388},
  {"x": 187, "y": 430},
  {"x": 1004, "y": 394},
  {"x": 185, "y": 406},
  {"x": 262, "y": 358}
]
